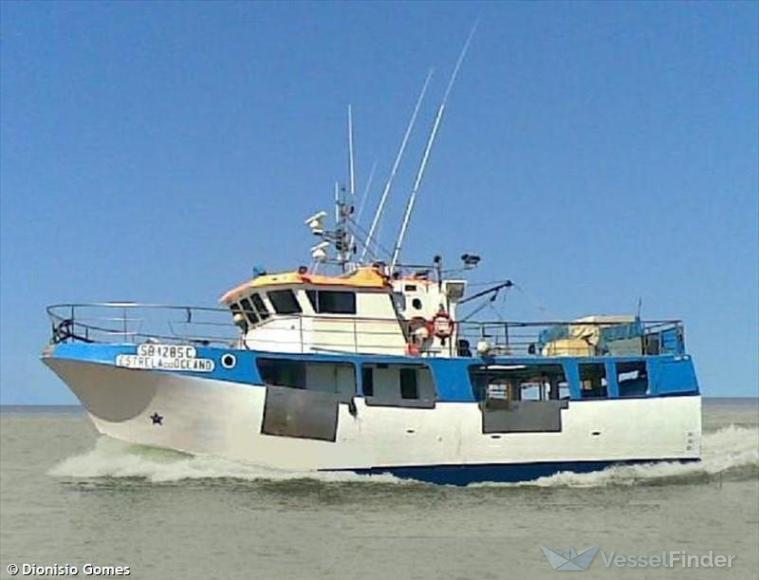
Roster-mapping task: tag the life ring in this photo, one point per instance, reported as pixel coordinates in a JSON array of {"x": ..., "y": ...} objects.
[{"x": 442, "y": 325}]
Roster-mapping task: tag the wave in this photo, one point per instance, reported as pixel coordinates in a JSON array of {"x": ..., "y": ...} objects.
[
  {"x": 117, "y": 459},
  {"x": 729, "y": 453}
]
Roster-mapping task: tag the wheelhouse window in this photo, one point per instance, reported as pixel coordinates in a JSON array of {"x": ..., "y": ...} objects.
[
  {"x": 632, "y": 379},
  {"x": 247, "y": 309},
  {"x": 284, "y": 302},
  {"x": 339, "y": 378},
  {"x": 395, "y": 385},
  {"x": 534, "y": 382},
  {"x": 593, "y": 381},
  {"x": 332, "y": 301},
  {"x": 263, "y": 312},
  {"x": 238, "y": 317}
]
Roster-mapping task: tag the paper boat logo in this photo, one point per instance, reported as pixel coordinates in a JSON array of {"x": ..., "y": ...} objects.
[{"x": 571, "y": 559}]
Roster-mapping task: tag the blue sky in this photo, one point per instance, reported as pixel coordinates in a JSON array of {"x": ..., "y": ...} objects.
[{"x": 594, "y": 153}]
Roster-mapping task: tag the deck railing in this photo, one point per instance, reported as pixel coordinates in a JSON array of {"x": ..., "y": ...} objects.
[
  {"x": 575, "y": 337},
  {"x": 133, "y": 323}
]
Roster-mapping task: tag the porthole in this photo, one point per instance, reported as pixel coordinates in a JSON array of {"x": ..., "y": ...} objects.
[
  {"x": 228, "y": 361},
  {"x": 416, "y": 303}
]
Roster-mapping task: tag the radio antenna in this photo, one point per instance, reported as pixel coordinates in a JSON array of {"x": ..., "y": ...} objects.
[
  {"x": 365, "y": 195},
  {"x": 351, "y": 171},
  {"x": 348, "y": 206},
  {"x": 427, "y": 150},
  {"x": 394, "y": 170}
]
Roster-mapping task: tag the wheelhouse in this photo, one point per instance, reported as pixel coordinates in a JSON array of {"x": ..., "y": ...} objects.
[
  {"x": 303, "y": 312},
  {"x": 364, "y": 311}
]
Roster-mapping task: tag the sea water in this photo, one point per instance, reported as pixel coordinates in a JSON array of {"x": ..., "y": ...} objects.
[{"x": 75, "y": 502}]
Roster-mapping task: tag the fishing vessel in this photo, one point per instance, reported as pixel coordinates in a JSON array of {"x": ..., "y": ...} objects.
[{"x": 358, "y": 362}]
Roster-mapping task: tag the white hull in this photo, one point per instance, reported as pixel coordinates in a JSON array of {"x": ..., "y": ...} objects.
[{"x": 206, "y": 416}]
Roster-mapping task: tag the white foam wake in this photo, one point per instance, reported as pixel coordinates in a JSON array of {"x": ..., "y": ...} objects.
[
  {"x": 729, "y": 451},
  {"x": 112, "y": 458}
]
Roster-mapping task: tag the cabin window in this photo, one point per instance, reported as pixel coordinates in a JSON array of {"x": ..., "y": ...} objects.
[
  {"x": 519, "y": 382},
  {"x": 395, "y": 385},
  {"x": 416, "y": 303},
  {"x": 263, "y": 312},
  {"x": 593, "y": 381},
  {"x": 409, "y": 388},
  {"x": 311, "y": 294},
  {"x": 332, "y": 301},
  {"x": 284, "y": 302},
  {"x": 399, "y": 301},
  {"x": 367, "y": 381},
  {"x": 632, "y": 379},
  {"x": 247, "y": 308},
  {"x": 283, "y": 373},
  {"x": 339, "y": 378},
  {"x": 534, "y": 391},
  {"x": 238, "y": 317}
]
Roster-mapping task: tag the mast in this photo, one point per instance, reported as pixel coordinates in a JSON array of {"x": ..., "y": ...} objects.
[
  {"x": 348, "y": 206},
  {"x": 341, "y": 237},
  {"x": 427, "y": 150},
  {"x": 394, "y": 170}
]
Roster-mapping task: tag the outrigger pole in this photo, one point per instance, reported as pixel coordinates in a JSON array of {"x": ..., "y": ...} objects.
[
  {"x": 394, "y": 170},
  {"x": 365, "y": 195},
  {"x": 427, "y": 149}
]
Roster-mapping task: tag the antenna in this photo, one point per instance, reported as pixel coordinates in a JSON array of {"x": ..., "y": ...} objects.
[
  {"x": 365, "y": 195},
  {"x": 396, "y": 163},
  {"x": 346, "y": 209},
  {"x": 351, "y": 172},
  {"x": 337, "y": 202},
  {"x": 428, "y": 149}
]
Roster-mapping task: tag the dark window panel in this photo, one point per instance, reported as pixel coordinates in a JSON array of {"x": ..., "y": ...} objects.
[{"x": 284, "y": 302}]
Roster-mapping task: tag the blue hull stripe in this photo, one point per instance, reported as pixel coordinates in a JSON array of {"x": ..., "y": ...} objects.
[
  {"x": 669, "y": 376},
  {"x": 500, "y": 472}
]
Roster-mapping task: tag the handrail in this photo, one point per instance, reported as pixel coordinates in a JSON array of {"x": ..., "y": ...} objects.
[{"x": 202, "y": 325}]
